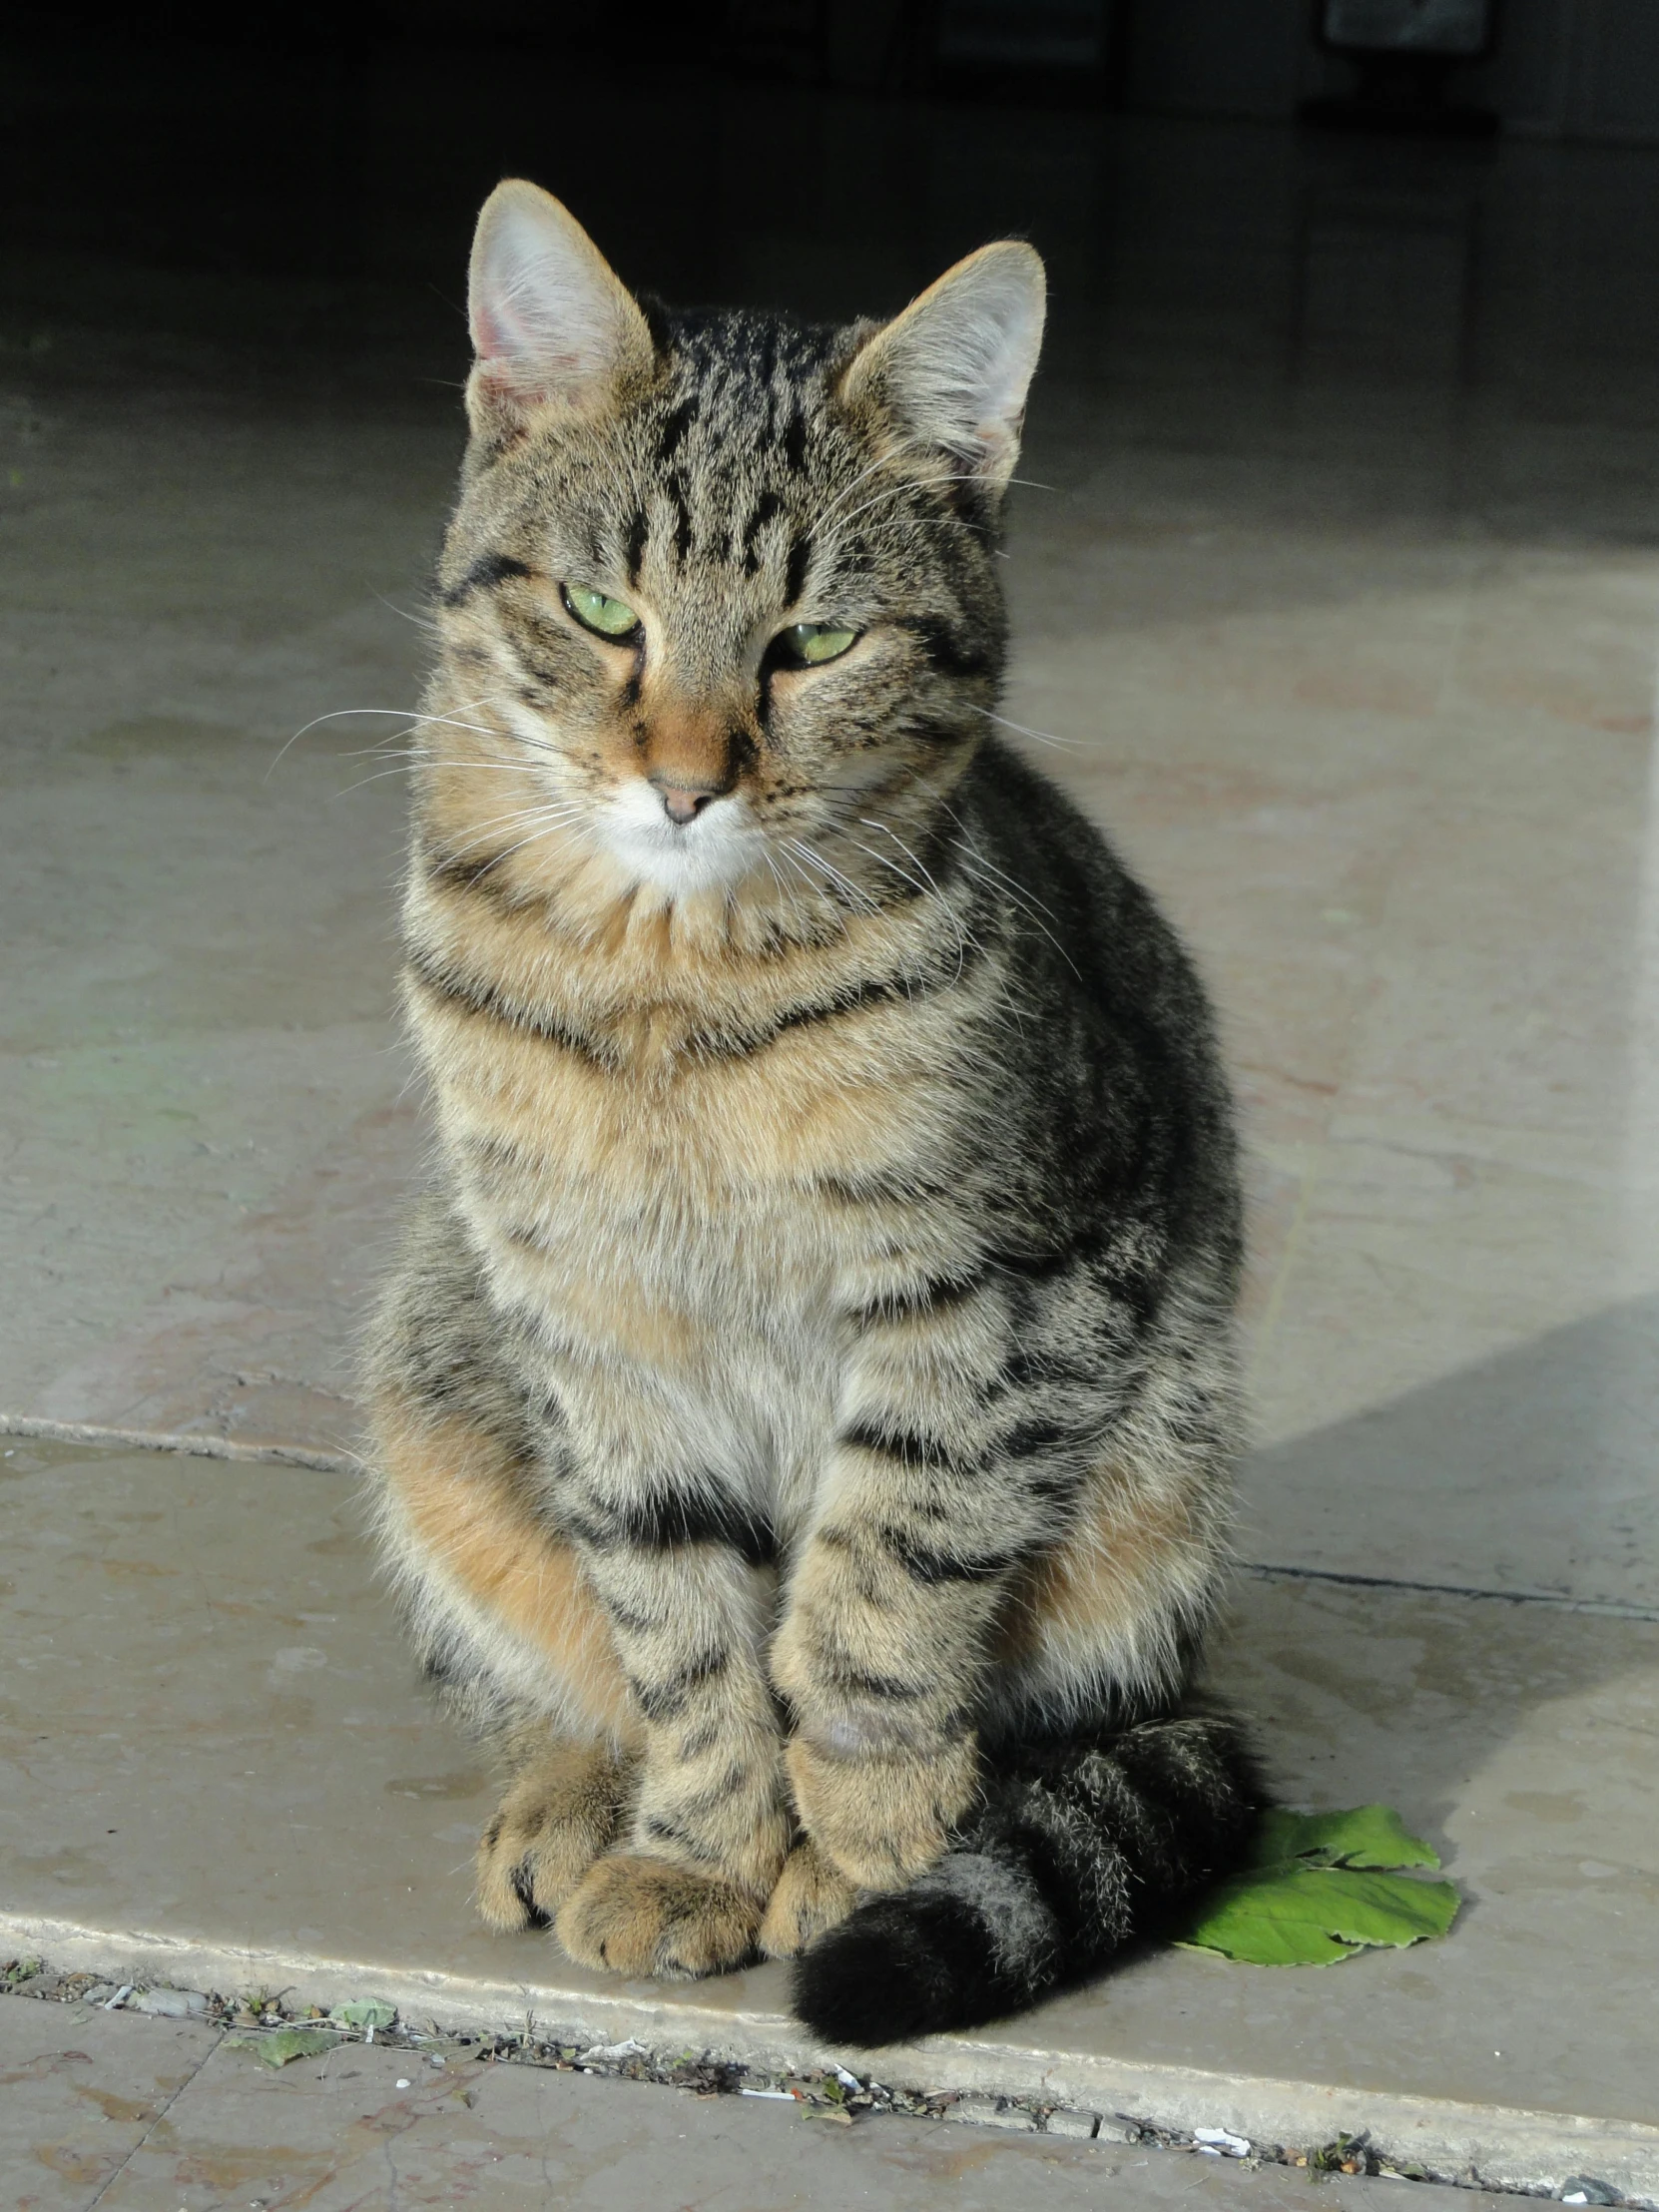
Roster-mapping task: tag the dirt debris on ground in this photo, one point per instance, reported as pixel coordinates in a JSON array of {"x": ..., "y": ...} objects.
[{"x": 836, "y": 2096}]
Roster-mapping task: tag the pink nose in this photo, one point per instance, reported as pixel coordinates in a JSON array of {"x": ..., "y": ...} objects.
[{"x": 681, "y": 804}]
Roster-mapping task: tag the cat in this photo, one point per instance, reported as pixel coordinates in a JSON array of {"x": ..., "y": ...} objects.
[{"x": 803, "y": 1409}]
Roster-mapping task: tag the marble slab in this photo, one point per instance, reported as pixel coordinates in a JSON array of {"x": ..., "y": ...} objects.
[
  {"x": 206, "y": 1123},
  {"x": 218, "y": 1771},
  {"x": 1353, "y": 655},
  {"x": 1399, "y": 800}
]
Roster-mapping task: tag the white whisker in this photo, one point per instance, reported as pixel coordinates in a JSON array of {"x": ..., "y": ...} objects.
[
  {"x": 1044, "y": 737},
  {"x": 411, "y": 715},
  {"x": 420, "y": 621},
  {"x": 964, "y": 937},
  {"x": 520, "y": 817},
  {"x": 994, "y": 880},
  {"x": 784, "y": 892},
  {"x": 552, "y": 826},
  {"x": 892, "y": 866},
  {"x": 851, "y": 893},
  {"x": 967, "y": 845},
  {"x": 889, "y": 491}
]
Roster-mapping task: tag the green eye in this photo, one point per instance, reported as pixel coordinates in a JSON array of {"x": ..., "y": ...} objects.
[
  {"x": 612, "y": 618},
  {"x": 809, "y": 644}
]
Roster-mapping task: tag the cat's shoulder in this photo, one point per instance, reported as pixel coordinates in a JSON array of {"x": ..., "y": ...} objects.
[{"x": 1028, "y": 816}]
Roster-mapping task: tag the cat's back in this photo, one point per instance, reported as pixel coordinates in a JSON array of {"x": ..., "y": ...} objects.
[
  {"x": 1107, "y": 932},
  {"x": 1110, "y": 1071}
]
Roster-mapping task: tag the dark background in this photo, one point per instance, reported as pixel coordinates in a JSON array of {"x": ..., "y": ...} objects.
[
  {"x": 282, "y": 197},
  {"x": 355, "y": 139}
]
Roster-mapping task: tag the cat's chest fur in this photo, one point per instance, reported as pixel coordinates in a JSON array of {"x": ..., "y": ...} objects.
[{"x": 700, "y": 1220}]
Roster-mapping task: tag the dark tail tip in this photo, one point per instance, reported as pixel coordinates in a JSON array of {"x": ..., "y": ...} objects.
[
  {"x": 1079, "y": 1846},
  {"x": 900, "y": 1967}
]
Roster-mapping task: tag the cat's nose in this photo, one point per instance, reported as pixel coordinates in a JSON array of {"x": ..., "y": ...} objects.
[{"x": 682, "y": 802}]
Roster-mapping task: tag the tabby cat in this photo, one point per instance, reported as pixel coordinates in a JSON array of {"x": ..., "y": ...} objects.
[{"x": 803, "y": 1409}]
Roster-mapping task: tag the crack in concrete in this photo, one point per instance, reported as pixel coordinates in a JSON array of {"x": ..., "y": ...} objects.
[{"x": 94, "y": 2202}]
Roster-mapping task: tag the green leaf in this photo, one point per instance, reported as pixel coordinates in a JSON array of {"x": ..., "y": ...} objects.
[
  {"x": 365, "y": 2012},
  {"x": 1304, "y": 1916},
  {"x": 287, "y": 2042},
  {"x": 1367, "y": 1836}
]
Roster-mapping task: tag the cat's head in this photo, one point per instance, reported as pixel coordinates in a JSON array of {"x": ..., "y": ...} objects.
[{"x": 722, "y": 584}]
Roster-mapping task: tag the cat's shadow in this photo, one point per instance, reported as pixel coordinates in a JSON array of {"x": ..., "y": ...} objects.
[{"x": 1528, "y": 1474}]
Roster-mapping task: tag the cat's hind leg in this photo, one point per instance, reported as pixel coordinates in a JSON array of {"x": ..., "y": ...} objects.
[{"x": 502, "y": 1615}]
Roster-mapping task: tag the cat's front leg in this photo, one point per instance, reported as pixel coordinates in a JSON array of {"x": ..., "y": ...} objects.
[
  {"x": 684, "y": 1893},
  {"x": 940, "y": 1485},
  {"x": 811, "y": 1896},
  {"x": 880, "y": 1677},
  {"x": 884, "y": 1649},
  {"x": 563, "y": 1807}
]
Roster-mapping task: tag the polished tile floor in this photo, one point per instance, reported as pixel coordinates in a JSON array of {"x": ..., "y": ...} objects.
[
  {"x": 1335, "y": 586},
  {"x": 1337, "y": 596}
]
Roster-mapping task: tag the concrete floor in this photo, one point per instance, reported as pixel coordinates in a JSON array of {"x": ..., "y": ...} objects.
[
  {"x": 150, "y": 2116},
  {"x": 1342, "y": 609}
]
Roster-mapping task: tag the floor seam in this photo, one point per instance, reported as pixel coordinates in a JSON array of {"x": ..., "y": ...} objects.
[
  {"x": 295, "y": 1455},
  {"x": 195, "y": 1448},
  {"x": 1611, "y": 1608}
]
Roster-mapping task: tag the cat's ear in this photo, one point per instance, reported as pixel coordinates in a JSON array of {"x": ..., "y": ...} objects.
[
  {"x": 552, "y": 323},
  {"x": 952, "y": 372}
]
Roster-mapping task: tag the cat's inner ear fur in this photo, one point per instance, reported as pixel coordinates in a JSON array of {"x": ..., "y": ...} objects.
[
  {"x": 553, "y": 326},
  {"x": 951, "y": 372}
]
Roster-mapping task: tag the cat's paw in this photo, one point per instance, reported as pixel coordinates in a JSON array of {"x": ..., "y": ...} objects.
[
  {"x": 641, "y": 1916},
  {"x": 561, "y": 1811},
  {"x": 810, "y": 1896},
  {"x": 882, "y": 1820}
]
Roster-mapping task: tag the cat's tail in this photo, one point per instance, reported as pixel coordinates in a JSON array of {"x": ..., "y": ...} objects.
[{"x": 1076, "y": 1846}]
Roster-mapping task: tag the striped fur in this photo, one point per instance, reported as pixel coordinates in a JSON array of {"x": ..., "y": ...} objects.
[{"x": 804, "y": 1409}]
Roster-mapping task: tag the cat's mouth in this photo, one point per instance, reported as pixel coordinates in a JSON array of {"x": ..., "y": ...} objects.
[{"x": 713, "y": 846}]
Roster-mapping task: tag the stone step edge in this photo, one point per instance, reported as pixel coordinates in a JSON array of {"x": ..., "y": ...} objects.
[{"x": 1487, "y": 2146}]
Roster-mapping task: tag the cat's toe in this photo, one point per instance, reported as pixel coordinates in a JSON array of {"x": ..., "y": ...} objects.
[
  {"x": 551, "y": 1825},
  {"x": 504, "y": 1879},
  {"x": 810, "y": 1897},
  {"x": 639, "y": 1916}
]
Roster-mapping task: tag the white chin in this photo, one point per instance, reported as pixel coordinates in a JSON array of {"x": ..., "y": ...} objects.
[{"x": 715, "y": 850}]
